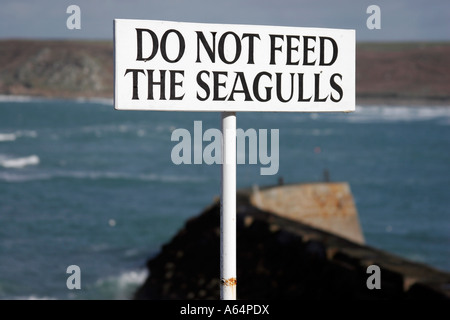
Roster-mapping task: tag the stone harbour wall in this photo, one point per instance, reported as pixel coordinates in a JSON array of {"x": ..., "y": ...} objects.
[{"x": 281, "y": 258}]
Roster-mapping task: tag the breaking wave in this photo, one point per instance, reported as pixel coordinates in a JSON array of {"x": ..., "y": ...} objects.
[
  {"x": 398, "y": 114},
  {"x": 12, "y": 136},
  {"x": 7, "y": 137},
  {"x": 19, "y": 162},
  {"x": 14, "y": 98},
  {"x": 85, "y": 175},
  {"x": 103, "y": 101},
  {"x": 33, "y": 297},
  {"x": 122, "y": 286}
]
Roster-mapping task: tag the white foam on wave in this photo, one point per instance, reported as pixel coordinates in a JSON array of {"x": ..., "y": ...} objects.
[
  {"x": 27, "y": 133},
  {"x": 18, "y": 177},
  {"x": 124, "y": 285},
  {"x": 17, "y": 98},
  {"x": 103, "y": 101},
  {"x": 111, "y": 129},
  {"x": 24, "y": 98},
  {"x": 19, "y": 162},
  {"x": 12, "y": 136},
  {"x": 97, "y": 175},
  {"x": 397, "y": 114},
  {"x": 34, "y": 297},
  {"x": 7, "y": 137}
]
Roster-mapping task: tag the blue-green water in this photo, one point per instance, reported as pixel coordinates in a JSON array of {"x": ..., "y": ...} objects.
[{"x": 83, "y": 184}]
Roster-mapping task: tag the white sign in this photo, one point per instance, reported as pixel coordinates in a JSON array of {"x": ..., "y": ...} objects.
[{"x": 174, "y": 66}]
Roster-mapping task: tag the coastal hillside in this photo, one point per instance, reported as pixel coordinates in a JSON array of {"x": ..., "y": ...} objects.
[
  {"x": 65, "y": 69},
  {"x": 385, "y": 72}
]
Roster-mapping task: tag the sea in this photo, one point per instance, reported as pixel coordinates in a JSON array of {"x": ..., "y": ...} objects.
[{"x": 82, "y": 184}]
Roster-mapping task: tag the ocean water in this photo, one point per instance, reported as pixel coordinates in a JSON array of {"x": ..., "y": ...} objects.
[{"x": 83, "y": 184}]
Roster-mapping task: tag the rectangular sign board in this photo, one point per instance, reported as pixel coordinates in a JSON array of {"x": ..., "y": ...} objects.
[{"x": 177, "y": 66}]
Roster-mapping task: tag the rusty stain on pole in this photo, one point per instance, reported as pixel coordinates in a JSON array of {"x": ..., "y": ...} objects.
[{"x": 230, "y": 284}]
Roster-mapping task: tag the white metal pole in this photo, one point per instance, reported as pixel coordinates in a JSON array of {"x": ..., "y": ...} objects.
[{"x": 228, "y": 209}]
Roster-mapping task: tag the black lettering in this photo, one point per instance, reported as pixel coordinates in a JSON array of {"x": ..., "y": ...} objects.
[
  {"x": 256, "y": 87},
  {"x": 174, "y": 84},
  {"x": 279, "y": 86},
  {"x": 135, "y": 73},
  {"x": 336, "y": 87},
  {"x": 322, "y": 51},
  {"x": 306, "y": 48},
  {"x": 251, "y": 46},
  {"x": 273, "y": 38},
  {"x": 317, "y": 89},
  {"x": 241, "y": 77},
  {"x": 300, "y": 88},
  {"x": 182, "y": 45},
  {"x": 210, "y": 51},
  {"x": 203, "y": 85},
  {"x": 222, "y": 47},
  {"x": 161, "y": 84},
  {"x": 139, "y": 44},
  {"x": 289, "y": 50},
  {"x": 218, "y": 84}
]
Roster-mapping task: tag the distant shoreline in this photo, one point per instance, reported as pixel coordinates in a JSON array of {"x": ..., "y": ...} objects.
[
  {"x": 28, "y": 98},
  {"x": 362, "y": 102},
  {"x": 388, "y": 74}
]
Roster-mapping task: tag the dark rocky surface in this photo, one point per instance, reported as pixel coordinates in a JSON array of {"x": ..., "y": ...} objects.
[{"x": 281, "y": 259}]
